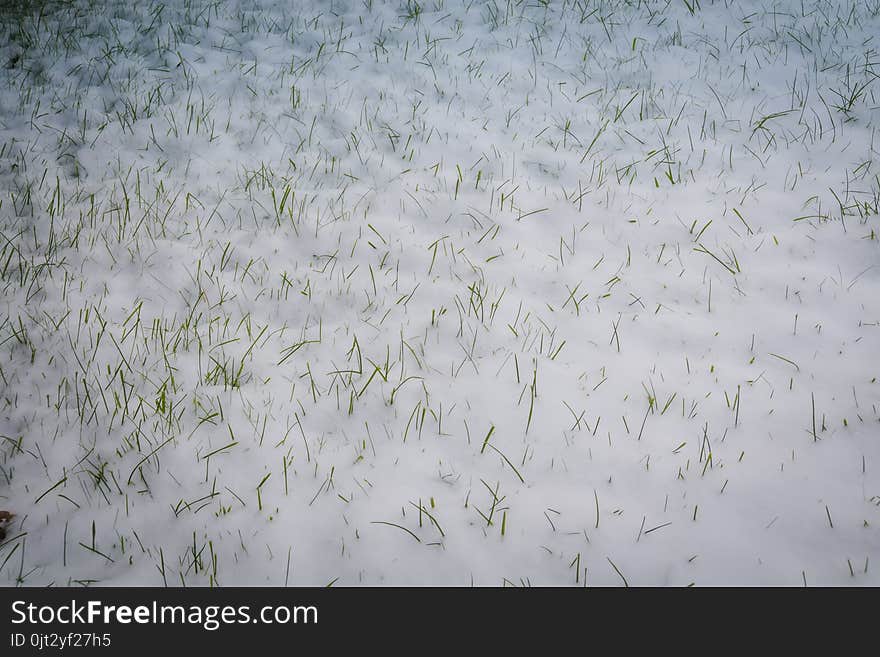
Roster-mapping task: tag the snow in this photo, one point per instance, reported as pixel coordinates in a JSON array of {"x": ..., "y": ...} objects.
[{"x": 364, "y": 293}]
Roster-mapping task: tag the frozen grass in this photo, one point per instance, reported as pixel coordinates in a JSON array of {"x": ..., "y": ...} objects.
[{"x": 507, "y": 293}]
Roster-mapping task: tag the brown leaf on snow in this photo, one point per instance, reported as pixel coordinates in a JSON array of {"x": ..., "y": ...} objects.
[{"x": 5, "y": 516}]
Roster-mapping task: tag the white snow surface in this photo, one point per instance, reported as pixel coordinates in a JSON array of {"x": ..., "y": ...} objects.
[{"x": 506, "y": 293}]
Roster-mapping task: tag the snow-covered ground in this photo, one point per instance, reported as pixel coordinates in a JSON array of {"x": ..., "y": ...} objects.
[{"x": 580, "y": 292}]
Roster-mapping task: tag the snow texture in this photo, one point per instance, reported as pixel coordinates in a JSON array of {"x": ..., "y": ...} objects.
[{"x": 494, "y": 293}]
